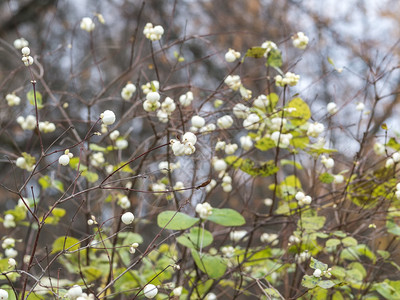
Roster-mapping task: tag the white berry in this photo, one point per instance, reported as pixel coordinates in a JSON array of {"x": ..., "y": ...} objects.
[
  {"x": 150, "y": 291},
  {"x": 127, "y": 218}
]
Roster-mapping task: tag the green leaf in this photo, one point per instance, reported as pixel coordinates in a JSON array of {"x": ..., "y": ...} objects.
[
  {"x": 384, "y": 254},
  {"x": 363, "y": 249},
  {"x": 273, "y": 292},
  {"x": 359, "y": 267},
  {"x": 57, "y": 184},
  {"x": 273, "y": 100},
  {"x": 153, "y": 87},
  {"x": 354, "y": 252},
  {"x": 31, "y": 98},
  {"x": 255, "y": 258},
  {"x": 91, "y": 273},
  {"x": 349, "y": 254},
  {"x": 19, "y": 212},
  {"x": 299, "y": 141},
  {"x": 289, "y": 187},
  {"x": 338, "y": 272},
  {"x": 226, "y": 217},
  {"x": 175, "y": 220},
  {"x": 321, "y": 235},
  {"x": 331, "y": 61},
  {"x": 58, "y": 212},
  {"x": 213, "y": 266},
  {"x": 45, "y": 182},
  {"x": 126, "y": 168},
  {"x": 349, "y": 241},
  {"x": 332, "y": 243},
  {"x": 196, "y": 239},
  {"x": 337, "y": 296},
  {"x": 274, "y": 58},
  {"x": 283, "y": 209},
  {"x": 29, "y": 159},
  {"x": 285, "y": 162},
  {"x": 108, "y": 199},
  {"x": 316, "y": 264},
  {"x": 234, "y": 161},
  {"x": 312, "y": 223},
  {"x": 318, "y": 293},
  {"x": 292, "y": 180},
  {"x": 386, "y": 290},
  {"x": 201, "y": 287},
  {"x": 9, "y": 290},
  {"x": 90, "y": 176},
  {"x": 74, "y": 163},
  {"x": 393, "y": 144},
  {"x": 95, "y": 147},
  {"x": 326, "y": 284},
  {"x": 319, "y": 151},
  {"x": 301, "y": 112},
  {"x": 65, "y": 243},
  {"x": 3, "y": 264},
  {"x": 265, "y": 144},
  {"x": 354, "y": 275},
  {"x": 248, "y": 166},
  {"x": 392, "y": 227},
  {"x": 339, "y": 233},
  {"x": 326, "y": 178},
  {"x": 310, "y": 282},
  {"x": 35, "y": 296},
  {"x": 130, "y": 238},
  {"x": 256, "y": 52}
]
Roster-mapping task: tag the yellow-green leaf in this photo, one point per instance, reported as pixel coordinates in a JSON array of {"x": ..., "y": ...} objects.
[
  {"x": 29, "y": 159},
  {"x": 330, "y": 61},
  {"x": 59, "y": 212},
  {"x": 130, "y": 238},
  {"x": 393, "y": 144},
  {"x": 256, "y": 52},
  {"x": 67, "y": 243},
  {"x": 326, "y": 178},
  {"x": 58, "y": 185},
  {"x": 316, "y": 264},
  {"x": 31, "y": 98},
  {"x": 91, "y": 273},
  {"x": 95, "y": 147},
  {"x": 349, "y": 241},
  {"x": 248, "y": 166},
  {"x": 312, "y": 223},
  {"x": 265, "y": 144},
  {"x": 45, "y": 182},
  {"x": 74, "y": 163},
  {"x": 274, "y": 58},
  {"x": 291, "y": 163},
  {"x": 90, "y": 176},
  {"x": 126, "y": 168},
  {"x": 273, "y": 100},
  {"x": 300, "y": 112},
  {"x": 310, "y": 282},
  {"x": 332, "y": 242},
  {"x": 326, "y": 284}
]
